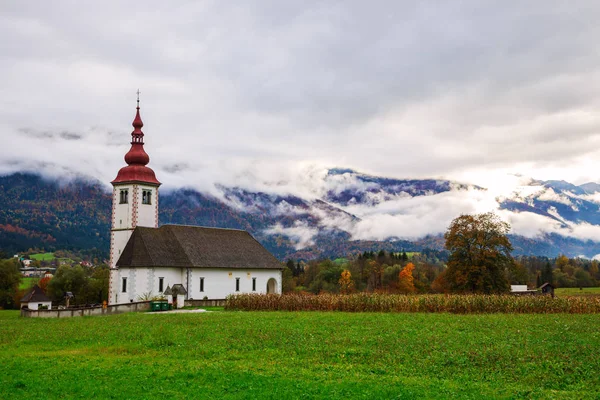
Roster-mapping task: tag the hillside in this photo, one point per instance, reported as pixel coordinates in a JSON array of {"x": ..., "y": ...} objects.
[{"x": 43, "y": 213}]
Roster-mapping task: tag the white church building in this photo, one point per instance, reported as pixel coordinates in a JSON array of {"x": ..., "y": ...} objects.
[{"x": 145, "y": 259}]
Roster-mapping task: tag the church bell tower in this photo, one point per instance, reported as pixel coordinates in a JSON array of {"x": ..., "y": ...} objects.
[{"x": 134, "y": 202}]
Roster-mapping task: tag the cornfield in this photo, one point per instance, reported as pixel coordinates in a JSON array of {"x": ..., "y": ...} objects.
[{"x": 428, "y": 303}]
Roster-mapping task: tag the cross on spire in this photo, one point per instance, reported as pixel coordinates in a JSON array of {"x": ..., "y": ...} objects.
[{"x": 138, "y": 98}]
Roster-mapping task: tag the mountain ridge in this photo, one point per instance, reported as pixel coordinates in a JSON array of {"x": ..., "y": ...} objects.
[{"x": 47, "y": 213}]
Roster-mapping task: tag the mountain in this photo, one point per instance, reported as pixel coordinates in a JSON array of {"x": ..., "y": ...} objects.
[
  {"x": 340, "y": 215},
  {"x": 559, "y": 200},
  {"x": 346, "y": 187}
]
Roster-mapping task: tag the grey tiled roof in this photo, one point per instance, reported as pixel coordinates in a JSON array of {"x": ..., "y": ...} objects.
[
  {"x": 35, "y": 294},
  {"x": 196, "y": 247}
]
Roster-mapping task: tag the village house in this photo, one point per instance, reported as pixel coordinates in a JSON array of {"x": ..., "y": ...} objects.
[
  {"x": 145, "y": 259},
  {"x": 36, "y": 299}
]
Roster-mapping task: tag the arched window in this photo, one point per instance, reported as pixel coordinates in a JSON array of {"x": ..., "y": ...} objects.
[
  {"x": 146, "y": 196},
  {"x": 124, "y": 199}
]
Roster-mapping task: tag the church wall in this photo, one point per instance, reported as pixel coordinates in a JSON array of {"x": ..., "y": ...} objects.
[
  {"x": 219, "y": 283},
  {"x": 125, "y": 217},
  {"x": 122, "y": 212},
  {"x": 147, "y": 214}
]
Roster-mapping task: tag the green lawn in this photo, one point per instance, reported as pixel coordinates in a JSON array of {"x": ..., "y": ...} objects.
[
  {"x": 43, "y": 256},
  {"x": 279, "y": 355},
  {"x": 27, "y": 282},
  {"x": 589, "y": 291}
]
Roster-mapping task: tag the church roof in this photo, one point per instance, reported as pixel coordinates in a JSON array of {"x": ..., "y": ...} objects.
[
  {"x": 35, "y": 294},
  {"x": 195, "y": 246}
]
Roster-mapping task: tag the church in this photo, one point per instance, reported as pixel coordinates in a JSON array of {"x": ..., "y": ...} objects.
[{"x": 145, "y": 259}]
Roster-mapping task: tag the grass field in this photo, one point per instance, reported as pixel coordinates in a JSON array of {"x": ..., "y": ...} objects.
[
  {"x": 27, "y": 282},
  {"x": 43, "y": 256},
  {"x": 589, "y": 291},
  {"x": 281, "y": 355}
]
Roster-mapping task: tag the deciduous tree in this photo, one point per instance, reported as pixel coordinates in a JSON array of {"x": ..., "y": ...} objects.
[
  {"x": 479, "y": 254},
  {"x": 346, "y": 283},
  {"x": 405, "y": 279},
  {"x": 10, "y": 278}
]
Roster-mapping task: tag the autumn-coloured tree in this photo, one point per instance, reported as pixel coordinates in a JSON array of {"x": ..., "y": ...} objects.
[
  {"x": 440, "y": 283},
  {"x": 479, "y": 254},
  {"x": 43, "y": 283},
  {"x": 405, "y": 279},
  {"x": 346, "y": 283}
]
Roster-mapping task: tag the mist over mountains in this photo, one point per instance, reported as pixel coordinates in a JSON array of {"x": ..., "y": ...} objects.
[{"x": 344, "y": 212}]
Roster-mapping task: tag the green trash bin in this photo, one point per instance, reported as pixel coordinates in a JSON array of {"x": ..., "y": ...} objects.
[
  {"x": 155, "y": 306},
  {"x": 164, "y": 306}
]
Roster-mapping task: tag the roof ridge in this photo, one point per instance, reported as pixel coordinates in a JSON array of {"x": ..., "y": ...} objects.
[{"x": 205, "y": 227}]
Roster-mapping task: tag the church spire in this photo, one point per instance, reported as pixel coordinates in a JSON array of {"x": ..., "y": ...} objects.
[
  {"x": 137, "y": 136},
  {"x": 137, "y": 158}
]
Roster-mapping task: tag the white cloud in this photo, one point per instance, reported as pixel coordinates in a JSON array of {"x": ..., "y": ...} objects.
[
  {"x": 300, "y": 234},
  {"x": 268, "y": 95}
]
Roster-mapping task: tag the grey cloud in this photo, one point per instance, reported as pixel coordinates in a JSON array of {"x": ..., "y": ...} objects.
[
  {"x": 405, "y": 89},
  {"x": 70, "y": 136}
]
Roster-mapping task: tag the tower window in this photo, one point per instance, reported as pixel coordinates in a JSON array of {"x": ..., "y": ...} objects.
[
  {"x": 124, "y": 285},
  {"x": 237, "y": 284},
  {"x": 124, "y": 199},
  {"x": 202, "y": 284},
  {"x": 161, "y": 284},
  {"x": 254, "y": 284},
  {"x": 146, "y": 196}
]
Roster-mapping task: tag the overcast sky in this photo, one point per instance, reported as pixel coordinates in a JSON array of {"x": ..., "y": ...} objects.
[{"x": 459, "y": 89}]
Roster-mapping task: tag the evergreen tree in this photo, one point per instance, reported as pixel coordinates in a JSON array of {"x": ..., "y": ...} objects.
[{"x": 547, "y": 276}]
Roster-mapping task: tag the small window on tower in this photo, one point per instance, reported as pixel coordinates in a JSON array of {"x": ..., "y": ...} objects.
[
  {"x": 124, "y": 199},
  {"x": 124, "y": 285},
  {"x": 146, "y": 196}
]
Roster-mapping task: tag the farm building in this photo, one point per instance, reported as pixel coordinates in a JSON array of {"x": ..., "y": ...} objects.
[
  {"x": 547, "y": 288},
  {"x": 210, "y": 263},
  {"x": 36, "y": 299}
]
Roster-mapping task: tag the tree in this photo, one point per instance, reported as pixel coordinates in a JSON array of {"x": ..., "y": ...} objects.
[
  {"x": 10, "y": 278},
  {"x": 346, "y": 283},
  {"x": 405, "y": 279},
  {"x": 43, "y": 283},
  {"x": 479, "y": 254},
  {"x": 546, "y": 276},
  {"x": 68, "y": 279}
]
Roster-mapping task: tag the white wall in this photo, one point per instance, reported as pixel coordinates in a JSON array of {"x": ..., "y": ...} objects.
[
  {"x": 125, "y": 217},
  {"x": 218, "y": 283},
  {"x": 34, "y": 305},
  {"x": 147, "y": 214}
]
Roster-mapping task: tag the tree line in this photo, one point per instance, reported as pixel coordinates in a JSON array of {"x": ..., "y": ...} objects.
[{"x": 477, "y": 259}]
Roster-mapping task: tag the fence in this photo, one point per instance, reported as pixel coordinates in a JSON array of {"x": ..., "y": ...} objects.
[
  {"x": 88, "y": 311},
  {"x": 205, "y": 303}
]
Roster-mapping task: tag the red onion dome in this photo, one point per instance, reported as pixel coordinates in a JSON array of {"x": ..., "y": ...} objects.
[
  {"x": 137, "y": 158},
  {"x": 137, "y": 155}
]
